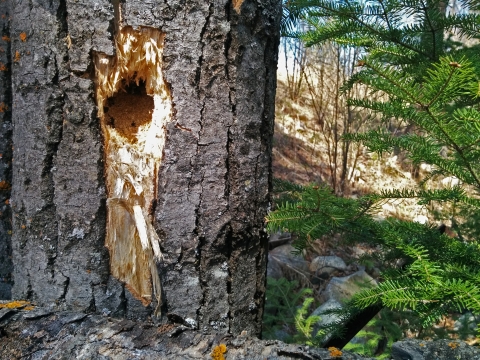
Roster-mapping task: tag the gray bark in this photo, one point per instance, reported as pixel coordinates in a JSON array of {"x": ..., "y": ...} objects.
[
  {"x": 5, "y": 153},
  {"x": 42, "y": 334},
  {"x": 69, "y": 335},
  {"x": 213, "y": 185}
]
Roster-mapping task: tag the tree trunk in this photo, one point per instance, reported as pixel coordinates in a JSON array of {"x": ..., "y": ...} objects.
[
  {"x": 5, "y": 153},
  {"x": 142, "y": 148}
]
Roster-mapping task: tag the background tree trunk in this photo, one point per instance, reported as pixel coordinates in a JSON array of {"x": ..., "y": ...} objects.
[{"x": 219, "y": 62}]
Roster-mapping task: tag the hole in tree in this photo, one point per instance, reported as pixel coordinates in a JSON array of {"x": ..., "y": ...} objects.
[
  {"x": 129, "y": 109},
  {"x": 134, "y": 126}
]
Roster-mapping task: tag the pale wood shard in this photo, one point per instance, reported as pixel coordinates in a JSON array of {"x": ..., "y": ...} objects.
[
  {"x": 237, "y": 4},
  {"x": 134, "y": 105}
]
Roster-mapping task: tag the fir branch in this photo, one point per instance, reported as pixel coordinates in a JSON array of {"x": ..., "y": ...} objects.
[
  {"x": 393, "y": 81},
  {"x": 433, "y": 30},
  {"x": 440, "y": 91},
  {"x": 350, "y": 13},
  {"x": 457, "y": 148}
]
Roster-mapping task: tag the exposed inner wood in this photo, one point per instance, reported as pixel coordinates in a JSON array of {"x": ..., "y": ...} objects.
[
  {"x": 237, "y": 4},
  {"x": 128, "y": 110},
  {"x": 134, "y": 106}
]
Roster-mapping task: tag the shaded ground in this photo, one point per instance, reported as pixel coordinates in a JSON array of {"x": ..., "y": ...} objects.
[{"x": 293, "y": 162}]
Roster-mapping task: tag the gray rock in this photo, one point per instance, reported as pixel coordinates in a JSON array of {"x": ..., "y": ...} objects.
[
  {"x": 282, "y": 335},
  {"x": 279, "y": 238},
  {"x": 343, "y": 288},
  {"x": 325, "y": 319},
  {"x": 293, "y": 267},
  {"x": 375, "y": 272},
  {"x": 405, "y": 351},
  {"x": 359, "y": 340},
  {"x": 329, "y": 305},
  {"x": 338, "y": 291},
  {"x": 466, "y": 320},
  {"x": 327, "y": 264},
  {"x": 274, "y": 269},
  {"x": 434, "y": 350}
]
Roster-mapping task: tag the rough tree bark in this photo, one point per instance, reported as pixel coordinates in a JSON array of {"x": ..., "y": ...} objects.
[
  {"x": 212, "y": 184},
  {"x": 5, "y": 153}
]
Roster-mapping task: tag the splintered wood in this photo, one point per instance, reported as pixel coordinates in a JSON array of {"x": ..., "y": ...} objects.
[
  {"x": 237, "y": 4},
  {"x": 134, "y": 105}
]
